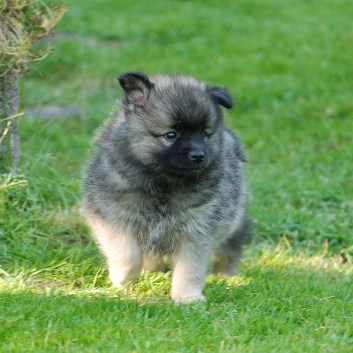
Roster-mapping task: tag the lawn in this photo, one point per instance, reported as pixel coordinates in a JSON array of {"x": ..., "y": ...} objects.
[{"x": 289, "y": 68}]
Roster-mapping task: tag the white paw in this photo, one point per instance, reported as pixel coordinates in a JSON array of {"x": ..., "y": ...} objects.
[
  {"x": 188, "y": 299},
  {"x": 123, "y": 275},
  {"x": 120, "y": 281},
  {"x": 117, "y": 282}
]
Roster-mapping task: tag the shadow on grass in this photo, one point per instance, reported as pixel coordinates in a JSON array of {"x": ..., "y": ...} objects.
[{"x": 276, "y": 274}]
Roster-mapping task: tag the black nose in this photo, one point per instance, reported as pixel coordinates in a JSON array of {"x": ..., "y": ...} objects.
[{"x": 196, "y": 156}]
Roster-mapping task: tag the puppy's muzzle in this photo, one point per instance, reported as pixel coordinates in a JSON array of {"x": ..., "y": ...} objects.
[{"x": 196, "y": 156}]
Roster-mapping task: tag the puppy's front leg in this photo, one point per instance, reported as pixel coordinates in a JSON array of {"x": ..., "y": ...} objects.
[
  {"x": 121, "y": 249},
  {"x": 190, "y": 266}
]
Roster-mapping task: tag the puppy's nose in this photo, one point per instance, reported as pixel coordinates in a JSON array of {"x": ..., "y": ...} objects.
[{"x": 196, "y": 156}]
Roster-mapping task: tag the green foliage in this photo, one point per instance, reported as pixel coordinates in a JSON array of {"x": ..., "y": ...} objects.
[
  {"x": 22, "y": 24},
  {"x": 288, "y": 66}
]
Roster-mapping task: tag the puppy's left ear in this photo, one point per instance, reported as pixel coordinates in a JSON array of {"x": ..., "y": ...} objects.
[
  {"x": 136, "y": 86},
  {"x": 221, "y": 96}
]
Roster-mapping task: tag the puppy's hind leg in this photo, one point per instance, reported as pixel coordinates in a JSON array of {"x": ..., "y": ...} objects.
[
  {"x": 228, "y": 255},
  {"x": 121, "y": 249},
  {"x": 226, "y": 261},
  {"x": 153, "y": 263}
]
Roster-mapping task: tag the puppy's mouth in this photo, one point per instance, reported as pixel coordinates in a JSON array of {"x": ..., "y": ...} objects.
[{"x": 187, "y": 171}]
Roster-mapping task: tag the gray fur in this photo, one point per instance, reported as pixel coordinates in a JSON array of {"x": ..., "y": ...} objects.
[{"x": 141, "y": 200}]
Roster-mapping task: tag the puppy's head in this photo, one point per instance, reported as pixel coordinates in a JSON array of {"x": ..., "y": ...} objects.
[{"x": 173, "y": 123}]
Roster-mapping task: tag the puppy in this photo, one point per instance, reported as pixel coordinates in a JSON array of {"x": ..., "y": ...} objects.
[{"x": 167, "y": 179}]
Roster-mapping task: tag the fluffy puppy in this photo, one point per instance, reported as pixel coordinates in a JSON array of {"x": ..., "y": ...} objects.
[{"x": 167, "y": 179}]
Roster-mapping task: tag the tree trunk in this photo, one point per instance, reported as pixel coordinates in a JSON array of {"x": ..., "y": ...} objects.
[
  {"x": 2, "y": 123},
  {"x": 12, "y": 95},
  {"x": 9, "y": 103}
]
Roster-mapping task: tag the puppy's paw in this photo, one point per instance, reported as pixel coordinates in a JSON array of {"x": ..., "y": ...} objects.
[
  {"x": 120, "y": 281},
  {"x": 181, "y": 299},
  {"x": 118, "y": 284}
]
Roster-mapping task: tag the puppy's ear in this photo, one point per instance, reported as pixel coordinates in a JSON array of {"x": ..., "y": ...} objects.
[
  {"x": 221, "y": 96},
  {"x": 136, "y": 86}
]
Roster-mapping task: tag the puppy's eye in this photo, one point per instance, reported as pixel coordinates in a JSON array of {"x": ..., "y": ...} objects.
[{"x": 171, "y": 136}]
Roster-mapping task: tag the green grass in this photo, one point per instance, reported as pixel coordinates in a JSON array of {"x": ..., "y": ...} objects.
[
  {"x": 288, "y": 66},
  {"x": 279, "y": 303}
]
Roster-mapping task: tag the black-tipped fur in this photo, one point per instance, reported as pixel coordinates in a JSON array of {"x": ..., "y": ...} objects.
[{"x": 168, "y": 179}]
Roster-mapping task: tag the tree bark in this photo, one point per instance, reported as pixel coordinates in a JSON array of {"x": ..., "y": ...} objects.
[
  {"x": 12, "y": 95},
  {"x": 9, "y": 103},
  {"x": 2, "y": 123}
]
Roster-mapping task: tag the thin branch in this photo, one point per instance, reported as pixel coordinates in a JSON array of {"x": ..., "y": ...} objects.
[
  {"x": 3, "y": 134},
  {"x": 13, "y": 116}
]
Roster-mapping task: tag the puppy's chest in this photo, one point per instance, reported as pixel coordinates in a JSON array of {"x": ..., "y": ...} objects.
[
  {"x": 166, "y": 215},
  {"x": 160, "y": 222},
  {"x": 172, "y": 206},
  {"x": 161, "y": 207}
]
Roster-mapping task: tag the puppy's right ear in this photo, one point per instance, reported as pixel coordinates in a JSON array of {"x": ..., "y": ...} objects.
[
  {"x": 136, "y": 86},
  {"x": 221, "y": 96}
]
